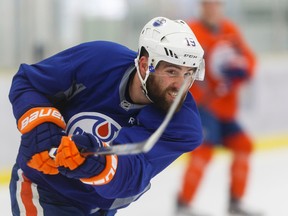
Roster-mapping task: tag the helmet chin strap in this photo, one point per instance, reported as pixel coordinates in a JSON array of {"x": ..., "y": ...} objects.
[{"x": 143, "y": 81}]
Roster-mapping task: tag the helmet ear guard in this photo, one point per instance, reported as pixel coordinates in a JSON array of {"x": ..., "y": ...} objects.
[{"x": 200, "y": 73}]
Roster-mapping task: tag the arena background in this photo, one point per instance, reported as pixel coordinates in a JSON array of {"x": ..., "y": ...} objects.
[{"x": 33, "y": 30}]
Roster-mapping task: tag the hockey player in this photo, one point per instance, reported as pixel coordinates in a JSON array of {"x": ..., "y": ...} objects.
[
  {"x": 229, "y": 63},
  {"x": 95, "y": 94}
]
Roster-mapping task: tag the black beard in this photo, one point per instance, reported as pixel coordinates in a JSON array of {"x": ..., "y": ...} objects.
[{"x": 159, "y": 97}]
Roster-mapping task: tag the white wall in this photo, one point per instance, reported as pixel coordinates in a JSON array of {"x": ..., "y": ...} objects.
[
  {"x": 264, "y": 101},
  {"x": 8, "y": 133}
]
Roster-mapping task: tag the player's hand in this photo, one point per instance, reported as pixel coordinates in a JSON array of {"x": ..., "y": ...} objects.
[
  {"x": 94, "y": 170},
  {"x": 36, "y": 144},
  {"x": 236, "y": 69},
  {"x": 234, "y": 73},
  {"x": 42, "y": 129}
]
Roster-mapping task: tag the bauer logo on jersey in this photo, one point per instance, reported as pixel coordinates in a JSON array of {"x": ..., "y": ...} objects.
[{"x": 95, "y": 123}]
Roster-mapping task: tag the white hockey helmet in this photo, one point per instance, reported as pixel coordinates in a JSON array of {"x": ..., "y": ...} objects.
[{"x": 172, "y": 41}]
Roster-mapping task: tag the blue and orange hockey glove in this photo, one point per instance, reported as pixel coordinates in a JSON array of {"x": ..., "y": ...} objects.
[
  {"x": 234, "y": 73},
  {"x": 94, "y": 170},
  {"x": 42, "y": 128}
]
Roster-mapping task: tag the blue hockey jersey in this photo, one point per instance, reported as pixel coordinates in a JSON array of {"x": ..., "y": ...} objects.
[{"x": 88, "y": 84}]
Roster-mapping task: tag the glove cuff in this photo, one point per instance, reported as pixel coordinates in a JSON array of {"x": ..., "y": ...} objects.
[
  {"x": 107, "y": 174},
  {"x": 39, "y": 115}
]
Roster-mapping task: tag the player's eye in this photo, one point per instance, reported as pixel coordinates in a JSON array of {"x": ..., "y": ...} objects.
[
  {"x": 172, "y": 73},
  {"x": 188, "y": 74},
  {"x": 191, "y": 73}
]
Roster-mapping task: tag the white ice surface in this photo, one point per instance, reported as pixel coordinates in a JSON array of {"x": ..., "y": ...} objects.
[{"x": 267, "y": 190}]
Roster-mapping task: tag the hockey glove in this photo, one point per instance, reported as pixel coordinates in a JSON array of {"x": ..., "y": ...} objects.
[
  {"x": 42, "y": 129},
  {"x": 95, "y": 170},
  {"x": 234, "y": 74}
]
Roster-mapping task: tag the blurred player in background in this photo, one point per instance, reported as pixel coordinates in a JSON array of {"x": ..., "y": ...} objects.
[
  {"x": 229, "y": 63},
  {"x": 95, "y": 94}
]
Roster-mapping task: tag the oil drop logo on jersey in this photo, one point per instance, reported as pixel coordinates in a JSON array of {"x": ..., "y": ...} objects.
[{"x": 102, "y": 126}]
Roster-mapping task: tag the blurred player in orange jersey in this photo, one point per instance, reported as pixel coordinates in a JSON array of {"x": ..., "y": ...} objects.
[{"x": 229, "y": 63}]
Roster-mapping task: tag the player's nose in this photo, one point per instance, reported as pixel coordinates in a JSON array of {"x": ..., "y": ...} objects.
[{"x": 178, "y": 81}]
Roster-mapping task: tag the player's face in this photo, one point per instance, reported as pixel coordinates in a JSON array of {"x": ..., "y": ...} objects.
[{"x": 163, "y": 85}]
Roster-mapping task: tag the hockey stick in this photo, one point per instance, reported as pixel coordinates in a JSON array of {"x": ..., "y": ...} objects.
[{"x": 138, "y": 147}]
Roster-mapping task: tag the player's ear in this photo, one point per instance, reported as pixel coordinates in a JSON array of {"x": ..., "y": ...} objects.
[{"x": 143, "y": 65}]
